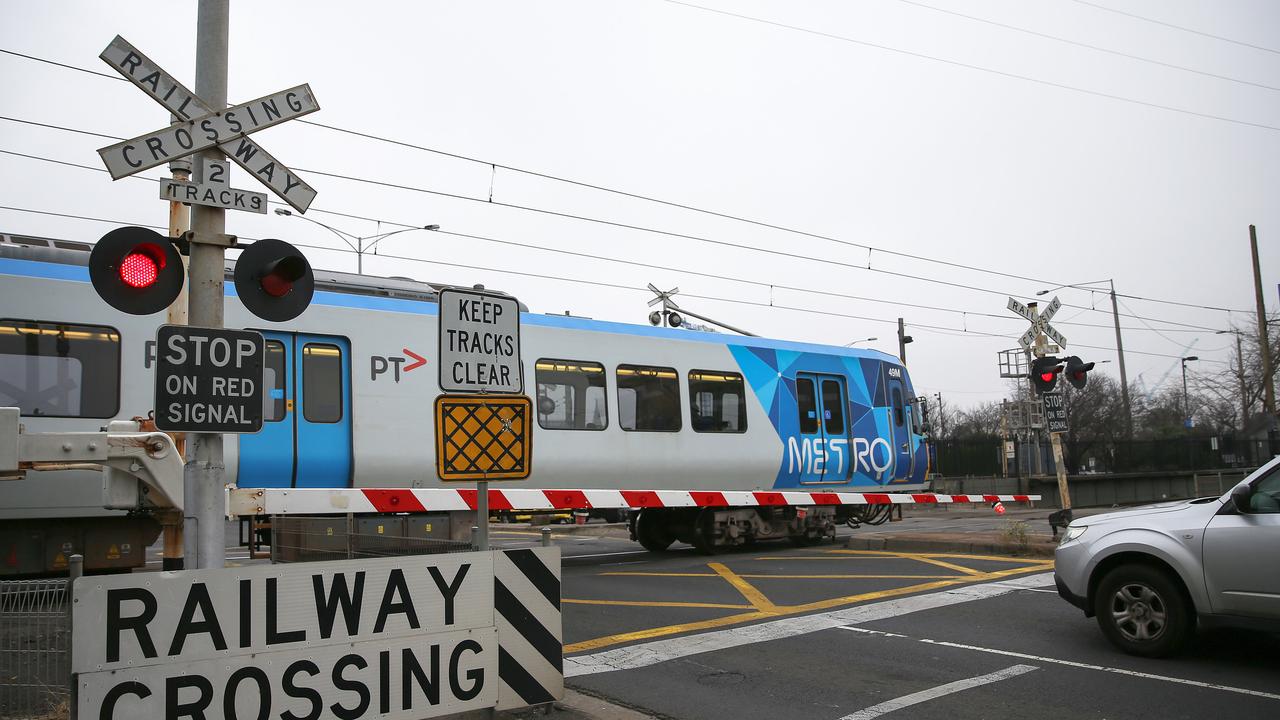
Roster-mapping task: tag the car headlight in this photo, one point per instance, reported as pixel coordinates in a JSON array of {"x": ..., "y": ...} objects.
[{"x": 1073, "y": 532}]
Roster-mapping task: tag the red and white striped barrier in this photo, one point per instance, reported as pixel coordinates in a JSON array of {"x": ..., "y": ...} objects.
[{"x": 319, "y": 501}]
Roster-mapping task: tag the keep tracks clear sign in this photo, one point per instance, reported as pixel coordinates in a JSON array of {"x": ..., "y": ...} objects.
[
  {"x": 479, "y": 342},
  {"x": 389, "y": 638}
]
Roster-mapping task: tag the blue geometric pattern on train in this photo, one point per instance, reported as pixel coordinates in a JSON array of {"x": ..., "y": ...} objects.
[{"x": 869, "y": 450}]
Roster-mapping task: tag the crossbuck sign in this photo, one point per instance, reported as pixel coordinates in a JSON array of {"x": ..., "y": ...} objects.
[
  {"x": 1039, "y": 324},
  {"x": 200, "y": 127}
]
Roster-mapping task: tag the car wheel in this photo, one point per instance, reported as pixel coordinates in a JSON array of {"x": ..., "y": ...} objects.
[{"x": 1142, "y": 611}]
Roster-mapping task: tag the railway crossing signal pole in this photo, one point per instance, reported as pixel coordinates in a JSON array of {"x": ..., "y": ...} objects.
[
  {"x": 1035, "y": 341},
  {"x": 205, "y": 474}
]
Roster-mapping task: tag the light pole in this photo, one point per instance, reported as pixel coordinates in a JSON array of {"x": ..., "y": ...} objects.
[
  {"x": 1186, "y": 407},
  {"x": 855, "y": 342},
  {"x": 359, "y": 247},
  {"x": 1115, "y": 316}
]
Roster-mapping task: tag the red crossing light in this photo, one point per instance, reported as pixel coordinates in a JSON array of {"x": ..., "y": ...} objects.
[
  {"x": 140, "y": 268},
  {"x": 136, "y": 270}
]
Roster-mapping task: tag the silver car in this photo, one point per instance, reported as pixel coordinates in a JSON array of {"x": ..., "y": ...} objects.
[{"x": 1152, "y": 574}]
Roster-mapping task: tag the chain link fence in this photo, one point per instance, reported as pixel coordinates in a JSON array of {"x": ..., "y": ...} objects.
[{"x": 35, "y": 648}]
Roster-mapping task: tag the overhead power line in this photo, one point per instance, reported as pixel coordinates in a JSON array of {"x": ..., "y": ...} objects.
[
  {"x": 740, "y": 246},
  {"x": 646, "y": 198},
  {"x": 1193, "y": 31},
  {"x": 1097, "y": 48},
  {"x": 980, "y": 68}
]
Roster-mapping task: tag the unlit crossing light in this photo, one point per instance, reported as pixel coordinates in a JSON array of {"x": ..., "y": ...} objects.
[{"x": 274, "y": 280}]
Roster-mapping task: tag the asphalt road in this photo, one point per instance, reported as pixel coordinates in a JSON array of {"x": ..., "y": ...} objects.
[{"x": 822, "y": 632}]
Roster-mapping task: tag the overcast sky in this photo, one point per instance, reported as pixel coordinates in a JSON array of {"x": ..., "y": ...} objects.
[{"x": 877, "y": 123}]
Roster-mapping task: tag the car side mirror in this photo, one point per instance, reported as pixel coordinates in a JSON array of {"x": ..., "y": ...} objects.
[{"x": 1240, "y": 498}]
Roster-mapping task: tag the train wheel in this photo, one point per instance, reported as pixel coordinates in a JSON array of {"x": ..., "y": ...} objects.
[
  {"x": 704, "y": 538},
  {"x": 651, "y": 530}
]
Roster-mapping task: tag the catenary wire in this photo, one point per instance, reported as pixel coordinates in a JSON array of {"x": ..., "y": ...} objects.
[
  {"x": 619, "y": 286},
  {"x": 1097, "y": 48},
  {"x": 1193, "y": 31},
  {"x": 646, "y": 198},
  {"x": 993, "y": 71}
]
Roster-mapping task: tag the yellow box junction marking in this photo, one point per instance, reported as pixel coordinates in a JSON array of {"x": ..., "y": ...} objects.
[
  {"x": 483, "y": 437},
  {"x": 762, "y": 608}
]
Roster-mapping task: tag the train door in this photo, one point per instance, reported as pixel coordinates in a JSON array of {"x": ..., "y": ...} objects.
[
  {"x": 821, "y": 401},
  {"x": 900, "y": 427},
  {"x": 306, "y": 430}
]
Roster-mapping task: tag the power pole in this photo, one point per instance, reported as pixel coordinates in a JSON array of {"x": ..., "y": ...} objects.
[
  {"x": 1244, "y": 396},
  {"x": 903, "y": 339},
  {"x": 1264, "y": 340},
  {"x": 1124, "y": 379},
  {"x": 204, "y": 477}
]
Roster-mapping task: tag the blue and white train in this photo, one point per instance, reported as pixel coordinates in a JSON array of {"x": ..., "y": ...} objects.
[{"x": 351, "y": 383}]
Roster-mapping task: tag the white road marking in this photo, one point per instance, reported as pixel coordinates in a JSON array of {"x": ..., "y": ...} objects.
[
  {"x": 1072, "y": 663},
  {"x": 656, "y": 651},
  {"x": 625, "y": 552},
  {"x": 884, "y": 708}
]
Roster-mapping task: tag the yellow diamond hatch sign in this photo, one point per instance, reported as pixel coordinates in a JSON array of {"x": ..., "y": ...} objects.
[{"x": 483, "y": 437}]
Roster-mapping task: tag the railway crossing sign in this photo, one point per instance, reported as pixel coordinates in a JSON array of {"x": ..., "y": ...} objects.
[
  {"x": 1039, "y": 324},
  {"x": 479, "y": 342},
  {"x": 200, "y": 127},
  {"x": 209, "y": 380}
]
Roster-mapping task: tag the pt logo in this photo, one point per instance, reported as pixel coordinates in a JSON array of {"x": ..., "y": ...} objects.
[{"x": 381, "y": 364}]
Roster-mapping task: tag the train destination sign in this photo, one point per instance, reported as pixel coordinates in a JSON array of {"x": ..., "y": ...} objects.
[
  {"x": 351, "y": 639},
  {"x": 208, "y": 380},
  {"x": 187, "y": 108},
  {"x": 479, "y": 342}
]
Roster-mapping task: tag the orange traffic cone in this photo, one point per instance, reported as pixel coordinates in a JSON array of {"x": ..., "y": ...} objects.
[{"x": 998, "y": 507}]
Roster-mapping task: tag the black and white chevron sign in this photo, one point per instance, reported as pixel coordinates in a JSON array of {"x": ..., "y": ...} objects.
[{"x": 526, "y": 598}]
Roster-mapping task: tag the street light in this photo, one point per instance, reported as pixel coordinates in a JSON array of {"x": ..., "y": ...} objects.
[
  {"x": 855, "y": 342},
  {"x": 359, "y": 247},
  {"x": 1186, "y": 409},
  {"x": 1115, "y": 315},
  {"x": 1244, "y": 395}
]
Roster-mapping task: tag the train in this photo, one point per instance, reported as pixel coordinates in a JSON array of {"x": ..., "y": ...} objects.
[{"x": 350, "y": 384}]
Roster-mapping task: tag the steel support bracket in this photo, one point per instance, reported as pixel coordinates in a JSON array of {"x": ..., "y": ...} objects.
[{"x": 218, "y": 239}]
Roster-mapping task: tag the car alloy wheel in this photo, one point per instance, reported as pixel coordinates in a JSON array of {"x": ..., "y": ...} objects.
[{"x": 1139, "y": 612}]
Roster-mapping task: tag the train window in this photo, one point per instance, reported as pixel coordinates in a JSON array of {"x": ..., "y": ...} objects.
[
  {"x": 59, "y": 369},
  {"x": 898, "y": 417},
  {"x": 273, "y": 377},
  {"x": 571, "y": 395},
  {"x": 807, "y": 403},
  {"x": 917, "y": 409},
  {"x": 833, "y": 408},
  {"x": 717, "y": 402},
  {"x": 648, "y": 398},
  {"x": 321, "y": 383}
]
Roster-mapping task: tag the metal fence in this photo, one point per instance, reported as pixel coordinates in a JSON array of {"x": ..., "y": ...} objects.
[{"x": 35, "y": 648}]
